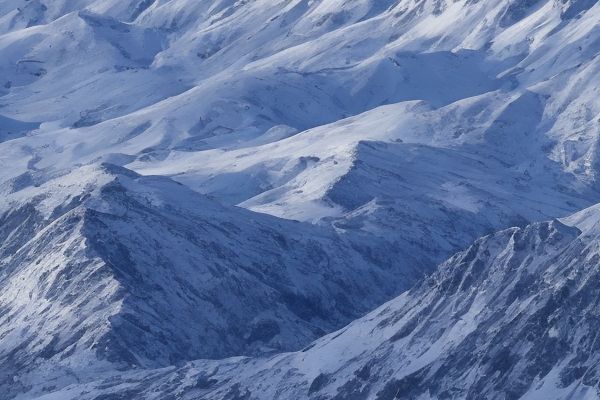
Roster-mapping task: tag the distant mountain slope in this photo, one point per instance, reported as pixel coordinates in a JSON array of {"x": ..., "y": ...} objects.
[
  {"x": 268, "y": 104},
  {"x": 513, "y": 316}
]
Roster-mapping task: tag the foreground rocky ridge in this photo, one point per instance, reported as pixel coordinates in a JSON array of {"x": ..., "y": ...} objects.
[
  {"x": 513, "y": 316},
  {"x": 126, "y": 270}
]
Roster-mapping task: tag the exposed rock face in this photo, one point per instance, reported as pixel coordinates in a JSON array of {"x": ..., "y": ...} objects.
[
  {"x": 141, "y": 271},
  {"x": 513, "y": 316}
]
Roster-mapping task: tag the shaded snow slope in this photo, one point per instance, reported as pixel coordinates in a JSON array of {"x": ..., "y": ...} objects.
[
  {"x": 103, "y": 265},
  {"x": 513, "y": 316}
]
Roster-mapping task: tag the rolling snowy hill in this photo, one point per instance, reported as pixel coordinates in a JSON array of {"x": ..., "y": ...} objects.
[{"x": 266, "y": 104}]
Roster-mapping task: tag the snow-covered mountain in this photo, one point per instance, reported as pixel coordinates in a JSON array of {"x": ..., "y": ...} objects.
[
  {"x": 514, "y": 316},
  {"x": 267, "y": 105},
  {"x": 379, "y": 136},
  {"x": 105, "y": 264}
]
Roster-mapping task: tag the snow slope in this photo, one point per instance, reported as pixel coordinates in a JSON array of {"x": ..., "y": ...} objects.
[
  {"x": 266, "y": 104},
  {"x": 513, "y": 316},
  {"x": 105, "y": 265}
]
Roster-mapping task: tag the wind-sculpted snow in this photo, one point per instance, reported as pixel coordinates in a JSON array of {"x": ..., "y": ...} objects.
[{"x": 396, "y": 132}]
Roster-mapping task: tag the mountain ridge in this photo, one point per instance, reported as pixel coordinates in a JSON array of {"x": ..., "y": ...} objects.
[
  {"x": 512, "y": 315},
  {"x": 119, "y": 268},
  {"x": 182, "y": 180}
]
